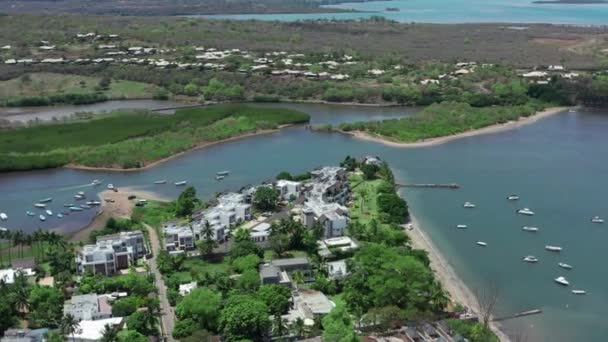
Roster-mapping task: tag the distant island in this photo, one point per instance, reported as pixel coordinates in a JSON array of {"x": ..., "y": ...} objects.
[{"x": 570, "y": 2}]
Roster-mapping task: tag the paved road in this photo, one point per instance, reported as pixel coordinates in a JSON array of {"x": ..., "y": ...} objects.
[{"x": 167, "y": 318}]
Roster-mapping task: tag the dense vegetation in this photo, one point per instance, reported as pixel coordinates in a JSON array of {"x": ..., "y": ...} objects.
[
  {"x": 137, "y": 137},
  {"x": 442, "y": 119}
]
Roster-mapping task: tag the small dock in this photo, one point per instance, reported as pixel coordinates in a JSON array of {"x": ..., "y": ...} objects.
[
  {"x": 430, "y": 185},
  {"x": 519, "y": 314}
]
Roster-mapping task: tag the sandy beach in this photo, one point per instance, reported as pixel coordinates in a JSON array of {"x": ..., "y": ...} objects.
[
  {"x": 459, "y": 291},
  {"x": 442, "y": 140}
]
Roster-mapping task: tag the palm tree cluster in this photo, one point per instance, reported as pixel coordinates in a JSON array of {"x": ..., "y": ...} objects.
[{"x": 38, "y": 241}]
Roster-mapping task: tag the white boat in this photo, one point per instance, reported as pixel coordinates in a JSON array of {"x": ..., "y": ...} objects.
[
  {"x": 469, "y": 205},
  {"x": 564, "y": 265},
  {"x": 46, "y": 200},
  {"x": 3, "y": 217},
  {"x": 571, "y": 110},
  {"x": 562, "y": 281},
  {"x": 48, "y": 212},
  {"x": 30, "y": 213},
  {"x": 111, "y": 186},
  {"x": 60, "y": 215},
  {"x": 513, "y": 197},
  {"x": 462, "y": 226},
  {"x": 40, "y": 205},
  {"x": 481, "y": 243},
  {"x": 223, "y": 173},
  {"x": 579, "y": 292},
  {"x": 530, "y": 258},
  {"x": 530, "y": 229},
  {"x": 161, "y": 182},
  {"x": 93, "y": 203},
  {"x": 78, "y": 197},
  {"x": 84, "y": 206},
  {"x": 42, "y": 218},
  {"x": 75, "y": 208},
  {"x": 553, "y": 248},
  {"x": 219, "y": 177},
  {"x": 96, "y": 182},
  {"x": 597, "y": 219},
  {"x": 525, "y": 211},
  {"x": 181, "y": 183},
  {"x": 81, "y": 193}
]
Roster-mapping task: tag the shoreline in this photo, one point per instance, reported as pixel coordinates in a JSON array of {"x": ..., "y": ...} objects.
[
  {"x": 470, "y": 133},
  {"x": 447, "y": 276},
  {"x": 163, "y": 160}
]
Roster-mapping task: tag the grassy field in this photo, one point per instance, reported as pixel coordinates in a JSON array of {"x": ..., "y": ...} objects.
[
  {"x": 138, "y": 137},
  {"x": 42, "y": 84},
  {"x": 364, "y": 193}
]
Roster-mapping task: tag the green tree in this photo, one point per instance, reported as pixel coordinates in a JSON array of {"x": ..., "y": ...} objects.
[
  {"x": 69, "y": 325},
  {"x": 144, "y": 322},
  {"x": 242, "y": 234},
  {"x": 186, "y": 202},
  {"x": 369, "y": 171},
  {"x": 244, "y": 317},
  {"x": 244, "y": 248},
  {"x": 284, "y": 175},
  {"x": 338, "y": 327},
  {"x": 265, "y": 198},
  {"x": 393, "y": 208},
  {"x": 184, "y": 328},
  {"x": 45, "y": 306},
  {"x": 249, "y": 281},
  {"x": 191, "y": 89},
  {"x": 131, "y": 336},
  {"x": 276, "y": 297},
  {"x": 109, "y": 333},
  {"x": 201, "y": 305},
  {"x": 245, "y": 263},
  {"x": 207, "y": 242},
  {"x": 279, "y": 243},
  {"x": 125, "y": 306}
]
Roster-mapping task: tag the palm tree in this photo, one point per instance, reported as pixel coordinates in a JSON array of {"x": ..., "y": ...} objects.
[
  {"x": 241, "y": 234},
  {"x": 439, "y": 298},
  {"x": 21, "y": 292},
  {"x": 298, "y": 328},
  {"x": 109, "y": 333},
  {"x": 69, "y": 325},
  {"x": 208, "y": 242},
  {"x": 297, "y": 278},
  {"x": 279, "y": 326},
  {"x": 18, "y": 237}
]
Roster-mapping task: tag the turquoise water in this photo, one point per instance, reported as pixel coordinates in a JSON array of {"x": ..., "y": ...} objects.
[
  {"x": 557, "y": 165},
  {"x": 458, "y": 11}
]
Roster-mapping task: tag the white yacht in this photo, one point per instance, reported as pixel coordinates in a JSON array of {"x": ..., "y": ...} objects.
[
  {"x": 469, "y": 205},
  {"x": 481, "y": 243},
  {"x": 579, "y": 292},
  {"x": 48, "y": 212},
  {"x": 3, "y": 217},
  {"x": 40, "y": 205},
  {"x": 96, "y": 182},
  {"x": 110, "y": 186},
  {"x": 562, "y": 281},
  {"x": 161, "y": 181},
  {"x": 530, "y": 229},
  {"x": 531, "y": 259},
  {"x": 46, "y": 200},
  {"x": 42, "y": 217},
  {"x": 597, "y": 219},
  {"x": 513, "y": 197},
  {"x": 553, "y": 248},
  {"x": 78, "y": 197},
  {"x": 223, "y": 173},
  {"x": 181, "y": 183},
  {"x": 525, "y": 211},
  {"x": 564, "y": 265},
  {"x": 60, "y": 215},
  {"x": 461, "y": 226},
  {"x": 81, "y": 193},
  {"x": 219, "y": 177}
]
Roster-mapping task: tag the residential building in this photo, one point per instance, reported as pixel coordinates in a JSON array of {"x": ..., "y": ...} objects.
[
  {"x": 24, "y": 335},
  {"x": 328, "y": 247},
  {"x": 337, "y": 269},
  {"x": 8, "y": 275},
  {"x": 308, "y": 304},
  {"x": 178, "y": 237},
  {"x": 231, "y": 210},
  {"x": 333, "y": 217},
  {"x": 279, "y": 271},
  {"x": 90, "y": 331},
  {"x": 185, "y": 289},
  {"x": 288, "y": 189},
  {"x": 329, "y": 184},
  {"x": 111, "y": 253},
  {"x": 260, "y": 234},
  {"x": 89, "y": 307}
]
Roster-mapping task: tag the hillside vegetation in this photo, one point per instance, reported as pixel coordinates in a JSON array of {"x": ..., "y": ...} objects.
[{"x": 132, "y": 139}]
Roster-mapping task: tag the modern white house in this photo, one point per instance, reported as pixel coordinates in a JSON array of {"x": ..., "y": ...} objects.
[
  {"x": 230, "y": 211},
  {"x": 90, "y": 331},
  {"x": 260, "y": 233},
  {"x": 178, "y": 238},
  {"x": 333, "y": 217},
  {"x": 88, "y": 307},
  {"x": 288, "y": 189},
  {"x": 111, "y": 253}
]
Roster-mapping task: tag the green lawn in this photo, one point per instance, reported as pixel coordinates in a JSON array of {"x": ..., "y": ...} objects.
[
  {"x": 364, "y": 195},
  {"x": 154, "y": 213}
]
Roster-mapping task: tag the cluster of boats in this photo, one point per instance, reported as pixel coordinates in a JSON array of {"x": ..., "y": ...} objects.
[
  {"x": 218, "y": 176},
  {"x": 551, "y": 248},
  {"x": 70, "y": 207}
]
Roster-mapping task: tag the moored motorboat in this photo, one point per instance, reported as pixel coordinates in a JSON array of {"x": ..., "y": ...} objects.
[
  {"x": 96, "y": 182},
  {"x": 481, "y": 243},
  {"x": 597, "y": 219},
  {"x": 525, "y": 211},
  {"x": 553, "y": 248},
  {"x": 46, "y": 200},
  {"x": 564, "y": 265},
  {"x": 562, "y": 281},
  {"x": 78, "y": 197},
  {"x": 75, "y": 208},
  {"x": 30, "y": 213},
  {"x": 530, "y": 229},
  {"x": 461, "y": 226},
  {"x": 3, "y": 217},
  {"x": 468, "y": 205},
  {"x": 40, "y": 205},
  {"x": 84, "y": 206},
  {"x": 219, "y": 177},
  {"x": 110, "y": 186},
  {"x": 223, "y": 173},
  {"x": 42, "y": 217},
  {"x": 161, "y": 181},
  {"x": 579, "y": 292},
  {"x": 181, "y": 183},
  {"x": 530, "y": 258},
  {"x": 513, "y": 197},
  {"x": 60, "y": 215},
  {"x": 48, "y": 212}
]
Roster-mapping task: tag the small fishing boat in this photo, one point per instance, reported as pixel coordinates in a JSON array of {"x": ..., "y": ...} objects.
[
  {"x": 597, "y": 219},
  {"x": 46, "y": 200},
  {"x": 30, "y": 213},
  {"x": 525, "y": 211},
  {"x": 562, "y": 281},
  {"x": 161, "y": 181},
  {"x": 42, "y": 217},
  {"x": 48, "y": 212},
  {"x": 81, "y": 193},
  {"x": 481, "y": 243},
  {"x": 96, "y": 182},
  {"x": 579, "y": 292},
  {"x": 571, "y": 110},
  {"x": 75, "y": 208},
  {"x": 78, "y": 197},
  {"x": 223, "y": 173},
  {"x": 3, "y": 217},
  {"x": 2, "y": 229},
  {"x": 564, "y": 265},
  {"x": 530, "y": 229},
  {"x": 513, "y": 197},
  {"x": 181, "y": 183},
  {"x": 40, "y": 205},
  {"x": 110, "y": 186},
  {"x": 531, "y": 259},
  {"x": 84, "y": 206},
  {"x": 67, "y": 205},
  {"x": 553, "y": 248},
  {"x": 60, "y": 215},
  {"x": 469, "y": 205},
  {"x": 461, "y": 226},
  {"x": 219, "y": 177}
]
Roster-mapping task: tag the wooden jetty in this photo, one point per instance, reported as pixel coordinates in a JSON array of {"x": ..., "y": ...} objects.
[
  {"x": 429, "y": 185},
  {"x": 519, "y": 314}
]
